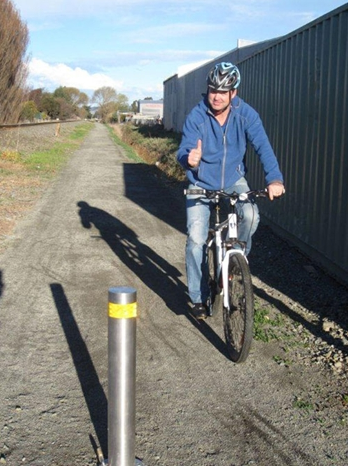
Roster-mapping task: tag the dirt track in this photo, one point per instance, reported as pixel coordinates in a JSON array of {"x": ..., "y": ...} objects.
[{"x": 110, "y": 222}]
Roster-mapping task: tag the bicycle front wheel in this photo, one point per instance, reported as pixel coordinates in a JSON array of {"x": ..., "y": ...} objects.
[{"x": 239, "y": 318}]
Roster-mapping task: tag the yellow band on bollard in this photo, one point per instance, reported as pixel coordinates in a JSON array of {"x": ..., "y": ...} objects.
[{"x": 122, "y": 311}]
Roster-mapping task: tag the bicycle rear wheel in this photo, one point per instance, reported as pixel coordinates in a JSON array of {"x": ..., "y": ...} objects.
[
  {"x": 215, "y": 297},
  {"x": 238, "y": 319}
]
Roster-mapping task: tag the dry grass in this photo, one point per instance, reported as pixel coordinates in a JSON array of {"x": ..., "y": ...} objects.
[
  {"x": 19, "y": 190},
  {"x": 20, "y": 185}
]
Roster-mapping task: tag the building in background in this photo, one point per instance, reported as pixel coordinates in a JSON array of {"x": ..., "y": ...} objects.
[
  {"x": 151, "y": 108},
  {"x": 150, "y": 112}
]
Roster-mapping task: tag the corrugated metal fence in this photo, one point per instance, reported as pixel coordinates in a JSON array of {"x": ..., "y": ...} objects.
[{"x": 299, "y": 85}]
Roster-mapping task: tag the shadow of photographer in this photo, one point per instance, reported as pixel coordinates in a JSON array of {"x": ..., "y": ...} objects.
[{"x": 92, "y": 389}]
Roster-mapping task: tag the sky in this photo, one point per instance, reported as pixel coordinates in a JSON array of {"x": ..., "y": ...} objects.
[{"x": 135, "y": 45}]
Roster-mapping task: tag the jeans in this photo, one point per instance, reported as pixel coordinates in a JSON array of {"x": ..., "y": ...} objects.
[{"x": 198, "y": 219}]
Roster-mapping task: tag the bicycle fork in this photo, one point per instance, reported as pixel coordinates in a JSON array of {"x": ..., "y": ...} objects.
[
  {"x": 227, "y": 253},
  {"x": 225, "y": 274}
]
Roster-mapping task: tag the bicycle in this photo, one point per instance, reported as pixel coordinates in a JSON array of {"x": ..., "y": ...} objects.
[{"x": 229, "y": 274}]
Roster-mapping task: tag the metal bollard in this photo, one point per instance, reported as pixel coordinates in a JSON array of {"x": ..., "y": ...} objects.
[{"x": 122, "y": 314}]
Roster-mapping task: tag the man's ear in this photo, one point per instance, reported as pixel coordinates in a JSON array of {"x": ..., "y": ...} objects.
[{"x": 233, "y": 93}]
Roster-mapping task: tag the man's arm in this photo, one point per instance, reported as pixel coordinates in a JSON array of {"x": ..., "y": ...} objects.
[{"x": 257, "y": 136}]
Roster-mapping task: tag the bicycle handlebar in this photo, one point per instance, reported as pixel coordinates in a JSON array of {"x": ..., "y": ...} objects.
[{"x": 220, "y": 193}]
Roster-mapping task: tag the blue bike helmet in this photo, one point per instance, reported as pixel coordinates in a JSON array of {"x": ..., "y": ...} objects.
[{"x": 223, "y": 77}]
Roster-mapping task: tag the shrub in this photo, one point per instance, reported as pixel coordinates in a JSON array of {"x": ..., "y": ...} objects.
[{"x": 155, "y": 146}]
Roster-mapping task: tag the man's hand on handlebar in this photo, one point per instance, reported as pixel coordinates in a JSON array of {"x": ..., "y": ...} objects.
[{"x": 275, "y": 190}]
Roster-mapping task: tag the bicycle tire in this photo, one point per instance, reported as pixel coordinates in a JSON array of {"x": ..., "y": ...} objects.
[
  {"x": 239, "y": 318},
  {"x": 215, "y": 296}
]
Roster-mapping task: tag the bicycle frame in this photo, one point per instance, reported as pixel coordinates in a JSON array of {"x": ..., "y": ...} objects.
[
  {"x": 222, "y": 252},
  {"x": 225, "y": 248},
  {"x": 229, "y": 277}
]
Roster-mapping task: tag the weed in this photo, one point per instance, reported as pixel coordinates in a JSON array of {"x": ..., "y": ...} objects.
[
  {"x": 11, "y": 156},
  {"x": 281, "y": 361},
  {"x": 302, "y": 404},
  {"x": 260, "y": 320},
  {"x": 264, "y": 325}
]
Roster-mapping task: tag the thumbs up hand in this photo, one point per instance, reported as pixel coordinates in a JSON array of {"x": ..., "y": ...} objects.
[{"x": 195, "y": 155}]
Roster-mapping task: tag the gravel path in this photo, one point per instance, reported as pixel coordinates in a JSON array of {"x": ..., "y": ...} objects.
[{"x": 109, "y": 222}]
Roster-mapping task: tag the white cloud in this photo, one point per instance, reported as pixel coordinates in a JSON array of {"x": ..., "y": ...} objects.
[
  {"x": 43, "y": 74},
  {"x": 49, "y": 77}
]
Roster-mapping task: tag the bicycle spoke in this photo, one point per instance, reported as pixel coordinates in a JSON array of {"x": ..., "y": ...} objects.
[{"x": 238, "y": 319}]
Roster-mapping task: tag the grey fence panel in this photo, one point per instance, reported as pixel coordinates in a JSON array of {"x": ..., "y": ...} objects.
[
  {"x": 299, "y": 85},
  {"x": 178, "y": 102}
]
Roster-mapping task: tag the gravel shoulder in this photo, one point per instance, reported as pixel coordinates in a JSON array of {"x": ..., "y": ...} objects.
[{"x": 107, "y": 221}]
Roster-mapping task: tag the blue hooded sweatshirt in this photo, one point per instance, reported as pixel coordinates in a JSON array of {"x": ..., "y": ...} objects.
[{"x": 224, "y": 147}]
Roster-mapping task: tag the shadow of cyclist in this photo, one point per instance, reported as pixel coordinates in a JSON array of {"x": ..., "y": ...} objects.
[{"x": 154, "y": 271}]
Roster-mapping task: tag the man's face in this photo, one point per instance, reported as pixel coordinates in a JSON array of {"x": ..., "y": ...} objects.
[{"x": 220, "y": 100}]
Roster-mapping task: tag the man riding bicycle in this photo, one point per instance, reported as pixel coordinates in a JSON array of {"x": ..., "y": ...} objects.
[{"x": 212, "y": 150}]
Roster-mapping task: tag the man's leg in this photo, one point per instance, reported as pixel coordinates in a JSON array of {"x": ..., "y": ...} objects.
[
  {"x": 198, "y": 214},
  {"x": 248, "y": 214}
]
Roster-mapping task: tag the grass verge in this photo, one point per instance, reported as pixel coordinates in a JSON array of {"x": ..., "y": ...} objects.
[
  {"x": 130, "y": 152},
  {"x": 24, "y": 175},
  {"x": 152, "y": 145},
  {"x": 49, "y": 162}
]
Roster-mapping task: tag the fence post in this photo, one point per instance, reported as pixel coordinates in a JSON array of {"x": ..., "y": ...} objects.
[
  {"x": 122, "y": 313},
  {"x": 57, "y": 133}
]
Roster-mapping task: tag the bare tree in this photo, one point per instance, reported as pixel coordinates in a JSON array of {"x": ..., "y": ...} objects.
[
  {"x": 104, "y": 95},
  {"x": 105, "y": 98},
  {"x": 14, "y": 39},
  {"x": 109, "y": 102}
]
